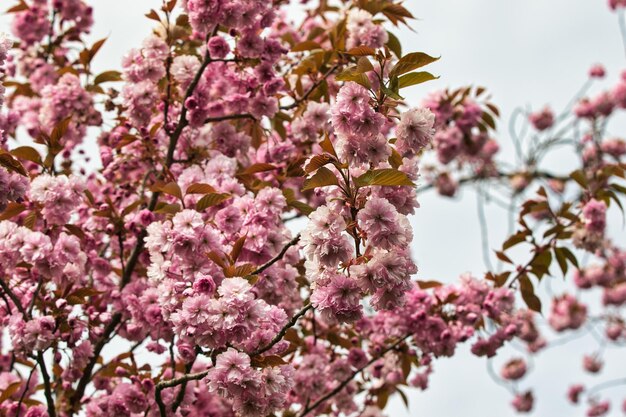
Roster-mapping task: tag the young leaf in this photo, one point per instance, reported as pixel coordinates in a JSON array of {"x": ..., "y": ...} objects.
[
  {"x": 28, "y": 153},
  {"x": 305, "y": 46},
  {"x": 394, "y": 44},
  {"x": 107, "y": 76},
  {"x": 322, "y": 178},
  {"x": 528, "y": 294},
  {"x": 415, "y": 78},
  {"x": 317, "y": 162},
  {"x": 301, "y": 207},
  {"x": 259, "y": 167},
  {"x": 237, "y": 246},
  {"x": 410, "y": 62},
  {"x": 170, "y": 188},
  {"x": 211, "y": 200},
  {"x": 10, "y": 163},
  {"x": 200, "y": 188},
  {"x": 12, "y": 209},
  {"x": 386, "y": 176},
  {"x": 361, "y": 51},
  {"x": 353, "y": 74}
]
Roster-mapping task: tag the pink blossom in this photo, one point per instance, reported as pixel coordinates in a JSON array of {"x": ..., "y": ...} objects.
[
  {"x": 415, "y": 130},
  {"x": 514, "y": 369}
]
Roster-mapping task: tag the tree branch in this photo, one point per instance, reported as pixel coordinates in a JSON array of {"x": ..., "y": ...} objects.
[
  {"x": 278, "y": 257},
  {"x": 13, "y": 297},
  {"x": 47, "y": 388},
  {"x": 306, "y": 95},
  {"x": 345, "y": 382},
  {"x": 279, "y": 336}
]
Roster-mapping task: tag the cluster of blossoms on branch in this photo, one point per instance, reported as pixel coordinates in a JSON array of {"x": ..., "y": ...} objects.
[{"x": 244, "y": 250}]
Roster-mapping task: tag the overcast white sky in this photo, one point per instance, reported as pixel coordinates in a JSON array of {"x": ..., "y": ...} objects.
[{"x": 531, "y": 52}]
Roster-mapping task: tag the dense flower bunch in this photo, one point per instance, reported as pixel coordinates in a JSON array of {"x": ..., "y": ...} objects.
[
  {"x": 463, "y": 121},
  {"x": 248, "y": 231}
]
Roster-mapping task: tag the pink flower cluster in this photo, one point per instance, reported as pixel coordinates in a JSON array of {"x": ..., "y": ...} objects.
[
  {"x": 514, "y": 369},
  {"x": 358, "y": 127},
  {"x": 594, "y": 215},
  {"x": 462, "y": 127},
  {"x": 244, "y": 15},
  {"x": 250, "y": 322},
  {"x": 415, "y": 131},
  {"x": 58, "y": 196},
  {"x": 33, "y": 24},
  {"x": 363, "y": 31},
  {"x": 253, "y": 392},
  {"x": 542, "y": 120},
  {"x": 567, "y": 313},
  {"x": 13, "y": 187},
  {"x": 441, "y": 319},
  {"x": 458, "y": 134}
]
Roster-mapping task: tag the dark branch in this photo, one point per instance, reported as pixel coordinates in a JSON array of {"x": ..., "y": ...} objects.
[
  {"x": 47, "y": 387},
  {"x": 13, "y": 298},
  {"x": 278, "y": 257},
  {"x": 279, "y": 336}
]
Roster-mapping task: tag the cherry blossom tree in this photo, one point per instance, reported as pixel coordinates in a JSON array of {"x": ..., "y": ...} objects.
[{"x": 180, "y": 260}]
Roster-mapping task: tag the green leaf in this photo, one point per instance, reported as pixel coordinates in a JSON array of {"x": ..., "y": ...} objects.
[
  {"x": 28, "y": 153},
  {"x": 306, "y": 46},
  {"x": 570, "y": 256},
  {"x": 424, "y": 285},
  {"x": 364, "y": 65},
  {"x": 317, "y": 162},
  {"x": 489, "y": 120},
  {"x": 9, "y": 162},
  {"x": 237, "y": 246},
  {"x": 500, "y": 255},
  {"x": 361, "y": 51},
  {"x": 108, "y": 76},
  {"x": 394, "y": 44},
  {"x": 387, "y": 176},
  {"x": 561, "y": 259},
  {"x": 322, "y": 178},
  {"x": 389, "y": 92},
  {"x": 170, "y": 188},
  {"x": 528, "y": 294},
  {"x": 415, "y": 78},
  {"x": 410, "y": 62},
  {"x": 353, "y": 74},
  {"x": 259, "y": 167},
  {"x": 210, "y": 200},
  {"x": 200, "y": 188},
  {"x": 541, "y": 264},
  {"x": 517, "y": 238},
  {"x": 580, "y": 178},
  {"x": 12, "y": 209},
  {"x": 301, "y": 207}
]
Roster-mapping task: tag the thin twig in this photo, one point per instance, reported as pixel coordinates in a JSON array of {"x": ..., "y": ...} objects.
[
  {"x": 306, "y": 95},
  {"x": 278, "y": 257},
  {"x": 279, "y": 336},
  {"x": 345, "y": 382}
]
